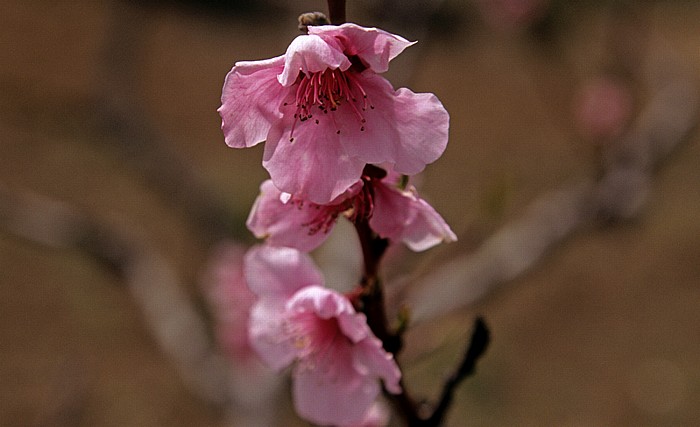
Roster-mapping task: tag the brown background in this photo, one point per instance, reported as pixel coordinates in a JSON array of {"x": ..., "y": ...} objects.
[{"x": 604, "y": 332}]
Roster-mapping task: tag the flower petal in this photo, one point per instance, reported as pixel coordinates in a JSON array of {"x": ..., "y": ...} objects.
[
  {"x": 287, "y": 224},
  {"x": 427, "y": 229},
  {"x": 406, "y": 129},
  {"x": 250, "y": 101},
  {"x": 277, "y": 272},
  {"x": 314, "y": 166},
  {"x": 311, "y": 54},
  {"x": 331, "y": 392},
  {"x": 373, "y": 46},
  {"x": 266, "y": 333},
  {"x": 403, "y": 216},
  {"x": 371, "y": 358},
  {"x": 324, "y": 302}
]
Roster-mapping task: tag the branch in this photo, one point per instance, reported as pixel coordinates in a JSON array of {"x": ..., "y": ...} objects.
[
  {"x": 669, "y": 117},
  {"x": 153, "y": 281},
  {"x": 336, "y": 11},
  {"x": 477, "y": 346}
]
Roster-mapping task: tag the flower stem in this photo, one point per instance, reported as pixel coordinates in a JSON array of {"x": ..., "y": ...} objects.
[
  {"x": 371, "y": 298},
  {"x": 336, "y": 11}
]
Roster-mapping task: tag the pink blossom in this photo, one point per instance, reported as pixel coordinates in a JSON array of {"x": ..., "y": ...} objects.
[
  {"x": 394, "y": 213},
  {"x": 324, "y": 112},
  {"x": 230, "y": 300},
  {"x": 376, "y": 416},
  {"x": 338, "y": 362},
  {"x": 288, "y": 221},
  {"x": 603, "y": 108}
]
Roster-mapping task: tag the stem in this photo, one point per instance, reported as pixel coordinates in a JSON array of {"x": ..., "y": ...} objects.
[
  {"x": 477, "y": 346},
  {"x": 372, "y": 305},
  {"x": 373, "y": 248},
  {"x": 336, "y": 11},
  {"x": 372, "y": 296}
]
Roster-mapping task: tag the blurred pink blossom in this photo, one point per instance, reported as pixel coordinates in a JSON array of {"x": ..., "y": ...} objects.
[
  {"x": 603, "y": 107},
  {"x": 376, "y": 416},
  {"x": 338, "y": 362},
  {"x": 324, "y": 112},
  {"x": 394, "y": 213},
  {"x": 230, "y": 300}
]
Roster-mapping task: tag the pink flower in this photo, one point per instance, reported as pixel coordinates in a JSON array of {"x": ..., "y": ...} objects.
[
  {"x": 288, "y": 221},
  {"x": 394, "y": 213},
  {"x": 400, "y": 215},
  {"x": 338, "y": 362},
  {"x": 603, "y": 108},
  {"x": 376, "y": 416},
  {"x": 324, "y": 112},
  {"x": 230, "y": 300}
]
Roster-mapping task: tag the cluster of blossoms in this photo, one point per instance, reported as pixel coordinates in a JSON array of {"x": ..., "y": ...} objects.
[{"x": 339, "y": 142}]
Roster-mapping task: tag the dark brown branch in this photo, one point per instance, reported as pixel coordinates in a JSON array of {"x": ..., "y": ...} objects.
[
  {"x": 477, "y": 346},
  {"x": 618, "y": 194},
  {"x": 336, "y": 11}
]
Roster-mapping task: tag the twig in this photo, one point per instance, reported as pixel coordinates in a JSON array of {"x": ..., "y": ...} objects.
[
  {"x": 667, "y": 120},
  {"x": 169, "y": 313},
  {"x": 477, "y": 346},
  {"x": 336, "y": 11}
]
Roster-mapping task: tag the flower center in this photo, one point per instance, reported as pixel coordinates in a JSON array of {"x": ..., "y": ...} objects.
[
  {"x": 325, "y": 216},
  {"x": 329, "y": 90},
  {"x": 313, "y": 336}
]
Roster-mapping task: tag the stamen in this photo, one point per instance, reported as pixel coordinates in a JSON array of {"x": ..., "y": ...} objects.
[{"x": 328, "y": 90}]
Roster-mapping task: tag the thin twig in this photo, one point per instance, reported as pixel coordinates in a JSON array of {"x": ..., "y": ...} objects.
[
  {"x": 336, "y": 11},
  {"x": 619, "y": 194}
]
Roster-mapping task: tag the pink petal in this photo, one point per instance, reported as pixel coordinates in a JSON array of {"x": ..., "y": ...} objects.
[
  {"x": 406, "y": 129},
  {"x": 402, "y": 216},
  {"x": 314, "y": 166},
  {"x": 266, "y": 333},
  {"x": 427, "y": 229},
  {"x": 373, "y": 46},
  {"x": 311, "y": 54},
  {"x": 354, "y": 326},
  {"x": 285, "y": 224},
  {"x": 324, "y": 303},
  {"x": 376, "y": 416},
  {"x": 370, "y": 358},
  {"x": 230, "y": 300},
  {"x": 277, "y": 272},
  {"x": 250, "y": 101},
  {"x": 331, "y": 392}
]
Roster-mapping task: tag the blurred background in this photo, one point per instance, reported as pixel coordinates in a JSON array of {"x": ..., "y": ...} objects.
[{"x": 116, "y": 187}]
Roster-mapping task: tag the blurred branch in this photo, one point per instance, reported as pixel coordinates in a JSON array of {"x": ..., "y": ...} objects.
[
  {"x": 619, "y": 194},
  {"x": 477, "y": 346},
  {"x": 122, "y": 122},
  {"x": 169, "y": 313}
]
